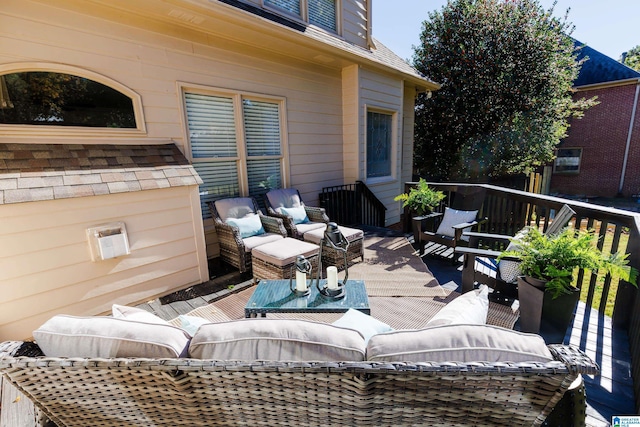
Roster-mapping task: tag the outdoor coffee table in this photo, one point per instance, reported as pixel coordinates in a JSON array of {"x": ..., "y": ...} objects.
[{"x": 274, "y": 296}]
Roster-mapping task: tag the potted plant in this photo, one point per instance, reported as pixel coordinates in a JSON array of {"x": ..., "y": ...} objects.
[
  {"x": 421, "y": 200},
  {"x": 546, "y": 291}
]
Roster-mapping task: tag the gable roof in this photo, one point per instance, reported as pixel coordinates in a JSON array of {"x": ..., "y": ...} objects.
[{"x": 600, "y": 68}]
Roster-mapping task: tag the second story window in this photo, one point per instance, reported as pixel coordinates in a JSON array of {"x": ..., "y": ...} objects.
[{"x": 322, "y": 13}]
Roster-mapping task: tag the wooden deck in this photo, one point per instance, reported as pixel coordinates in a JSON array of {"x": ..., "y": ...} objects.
[{"x": 609, "y": 394}]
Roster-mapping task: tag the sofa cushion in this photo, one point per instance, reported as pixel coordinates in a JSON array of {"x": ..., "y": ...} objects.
[
  {"x": 469, "y": 308},
  {"x": 316, "y": 235},
  {"x": 454, "y": 217},
  {"x": 101, "y": 336},
  {"x": 277, "y": 339},
  {"x": 458, "y": 343},
  {"x": 190, "y": 324},
  {"x": 367, "y": 326},
  {"x": 137, "y": 314},
  {"x": 310, "y": 226},
  {"x": 298, "y": 214}
]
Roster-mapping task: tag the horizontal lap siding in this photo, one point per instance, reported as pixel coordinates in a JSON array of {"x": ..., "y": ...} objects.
[
  {"x": 384, "y": 92},
  {"x": 45, "y": 261},
  {"x": 354, "y": 21},
  {"x": 151, "y": 64}
]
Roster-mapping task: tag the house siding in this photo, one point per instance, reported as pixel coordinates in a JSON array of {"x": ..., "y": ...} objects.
[
  {"x": 386, "y": 93},
  {"x": 45, "y": 261},
  {"x": 602, "y": 134}
]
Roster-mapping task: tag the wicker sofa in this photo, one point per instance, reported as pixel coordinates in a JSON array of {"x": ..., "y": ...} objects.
[{"x": 370, "y": 390}]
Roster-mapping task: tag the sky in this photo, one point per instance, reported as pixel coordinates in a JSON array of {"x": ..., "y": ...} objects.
[{"x": 610, "y": 27}]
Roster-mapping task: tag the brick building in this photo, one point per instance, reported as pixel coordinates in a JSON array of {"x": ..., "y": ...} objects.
[{"x": 601, "y": 154}]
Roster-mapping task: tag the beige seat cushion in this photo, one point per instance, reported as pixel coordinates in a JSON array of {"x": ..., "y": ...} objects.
[
  {"x": 458, "y": 343},
  {"x": 351, "y": 234},
  {"x": 284, "y": 252},
  {"x": 101, "y": 336},
  {"x": 262, "y": 239},
  {"x": 277, "y": 339},
  {"x": 308, "y": 226}
]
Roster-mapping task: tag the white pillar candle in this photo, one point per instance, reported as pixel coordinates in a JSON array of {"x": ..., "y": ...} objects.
[
  {"x": 301, "y": 281},
  {"x": 332, "y": 277}
]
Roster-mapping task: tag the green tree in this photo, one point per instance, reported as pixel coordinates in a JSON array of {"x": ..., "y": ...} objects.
[
  {"x": 506, "y": 69},
  {"x": 631, "y": 58}
]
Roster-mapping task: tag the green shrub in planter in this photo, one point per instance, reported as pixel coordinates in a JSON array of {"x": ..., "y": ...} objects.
[
  {"x": 421, "y": 199},
  {"x": 554, "y": 258}
]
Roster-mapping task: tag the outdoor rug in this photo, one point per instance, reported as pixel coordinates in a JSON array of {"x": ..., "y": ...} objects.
[{"x": 402, "y": 291}]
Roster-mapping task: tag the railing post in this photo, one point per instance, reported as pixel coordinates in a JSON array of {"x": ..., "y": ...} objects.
[{"x": 626, "y": 303}]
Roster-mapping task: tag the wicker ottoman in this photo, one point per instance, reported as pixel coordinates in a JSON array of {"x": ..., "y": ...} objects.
[
  {"x": 330, "y": 256},
  {"x": 274, "y": 260}
]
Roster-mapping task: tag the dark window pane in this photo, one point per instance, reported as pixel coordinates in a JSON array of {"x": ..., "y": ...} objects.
[
  {"x": 48, "y": 98},
  {"x": 568, "y": 160},
  {"x": 378, "y": 144}
]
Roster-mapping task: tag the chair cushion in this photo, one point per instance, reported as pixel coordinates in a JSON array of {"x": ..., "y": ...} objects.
[
  {"x": 237, "y": 207},
  {"x": 454, "y": 217},
  {"x": 351, "y": 234},
  {"x": 262, "y": 239},
  {"x": 101, "y": 336},
  {"x": 458, "y": 343},
  {"x": 367, "y": 326},
  {"x": 469, "y": 308},
  {"x": 284, "y": 198},
  {"x": 510, "y": 270},
  {"x": 309, "y": 226},
  {"x": 284, "y": 252},
  {"x": 277, "y": 339},
  {"x": 298, "y": 214},
  {"x": 250, "y": 225}
]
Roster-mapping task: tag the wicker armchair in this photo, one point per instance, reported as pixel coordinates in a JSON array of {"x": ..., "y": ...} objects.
[
  {"x": 199, "y": 392},
  {"x": 235, "y": 249},
  {"x": 287, "y": 198}
]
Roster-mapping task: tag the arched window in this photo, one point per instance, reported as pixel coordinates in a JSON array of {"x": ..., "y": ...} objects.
[{"x": 52, "y": 98}]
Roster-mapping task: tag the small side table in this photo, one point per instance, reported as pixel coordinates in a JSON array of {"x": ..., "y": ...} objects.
[{"x": 274, "y": 296}]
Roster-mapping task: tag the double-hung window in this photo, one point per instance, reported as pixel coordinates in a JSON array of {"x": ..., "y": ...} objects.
[
  {"x": 322, "y": 13},
  {"x": 236, "y": 144},
  {"x": 379, "y": 145}
]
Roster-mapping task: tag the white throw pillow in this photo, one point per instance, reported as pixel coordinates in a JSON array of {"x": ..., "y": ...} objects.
[
  {"x": 137, "y": 314},
  {"x": 454, "y": 217},
  {"x": 470, "y": 308},
  {"x": 102, "y": 336},
  {"x": 363, "y": 323},
  {"x": 277, "y": 339}
]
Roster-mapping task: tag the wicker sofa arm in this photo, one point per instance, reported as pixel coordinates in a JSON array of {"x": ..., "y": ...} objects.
[
  {"x": 19, "y": 348},
  {"x": 272, "y": 224},
  {"x": 575, "y": 359},
  {"x": 316, "y": 214}
]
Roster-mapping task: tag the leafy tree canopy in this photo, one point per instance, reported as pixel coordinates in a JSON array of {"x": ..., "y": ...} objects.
[
  {"x": 631, "y": 58},
  {"x": 506, "y": 69}
]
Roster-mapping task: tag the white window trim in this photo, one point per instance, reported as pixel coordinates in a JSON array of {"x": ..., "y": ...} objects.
[
  {"x": 241, "y": 158},
  {"x": 45, "y": 131},
  {"x": 394, "y": 145},
  {"x": 304, "y": 15}
]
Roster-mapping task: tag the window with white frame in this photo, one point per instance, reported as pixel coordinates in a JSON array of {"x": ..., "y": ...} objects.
[
  {"x": 379, "y": 144},
  {"x": 567, "y": 160},
  {"x": 322, "y": 13},
  {"x": 236, "y": 144}
]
